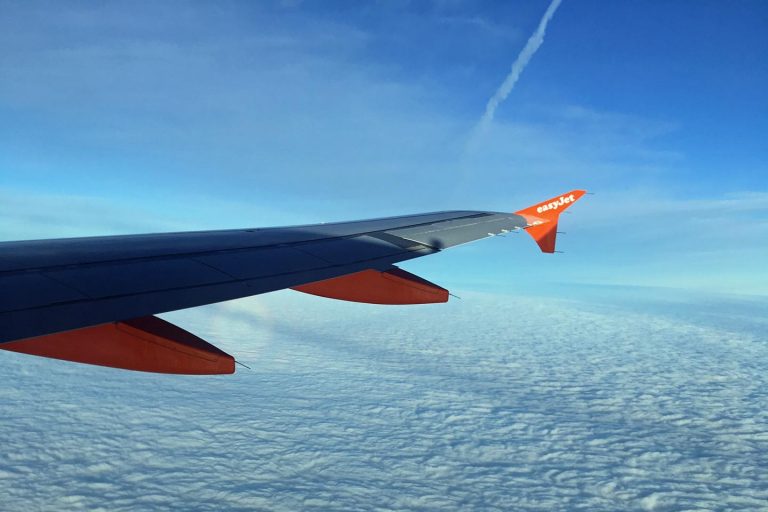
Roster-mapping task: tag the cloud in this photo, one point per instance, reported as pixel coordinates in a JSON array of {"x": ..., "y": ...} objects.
[
  {"x": 488, "y": 403},
  {"x": 152, "y": 102}
]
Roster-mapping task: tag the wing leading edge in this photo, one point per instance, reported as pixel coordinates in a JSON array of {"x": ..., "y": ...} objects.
[{"x": 54, "y": 292}]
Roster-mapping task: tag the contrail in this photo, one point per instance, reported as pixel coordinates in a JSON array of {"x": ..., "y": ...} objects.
[{"x": 517, "y": 68}]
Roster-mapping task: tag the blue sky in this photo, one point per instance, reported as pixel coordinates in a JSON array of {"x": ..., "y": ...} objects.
[
  {"x": 118, "y": 118},
  {"x": 582, "y": 380}
]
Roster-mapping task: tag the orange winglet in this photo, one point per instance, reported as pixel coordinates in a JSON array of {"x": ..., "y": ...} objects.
[
  {"x": 394, "y": 286},
  {"x": 147, "y": 344},
  {"x": 542, "y": 218}
]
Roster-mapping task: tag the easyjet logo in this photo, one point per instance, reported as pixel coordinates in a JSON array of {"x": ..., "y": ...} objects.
[{"x": 554, "y": 205}]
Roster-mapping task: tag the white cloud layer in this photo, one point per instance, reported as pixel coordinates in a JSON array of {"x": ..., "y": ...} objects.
[{"x": 489, "y": 403}]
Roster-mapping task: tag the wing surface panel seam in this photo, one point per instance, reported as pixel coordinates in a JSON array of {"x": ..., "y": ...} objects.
[
  {"x": 193, "y": 287},
  {"x": 194, "y": 254}
]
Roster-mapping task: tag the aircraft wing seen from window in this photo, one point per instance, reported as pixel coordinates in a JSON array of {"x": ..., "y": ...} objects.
[{"x": 91, "y": 300}]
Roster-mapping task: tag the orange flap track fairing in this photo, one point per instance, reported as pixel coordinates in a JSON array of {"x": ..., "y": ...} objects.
[
  {"x": 147, "y": 344},
  {"x": 394, "y": 286}
]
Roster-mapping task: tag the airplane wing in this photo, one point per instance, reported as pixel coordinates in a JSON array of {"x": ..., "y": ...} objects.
[{"x": 92, "y": 300}]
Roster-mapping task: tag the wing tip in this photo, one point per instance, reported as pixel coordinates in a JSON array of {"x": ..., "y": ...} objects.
[{"x": 542, "y": 218}]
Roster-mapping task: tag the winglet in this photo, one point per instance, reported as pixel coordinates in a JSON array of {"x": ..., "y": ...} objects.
[{"x": 542, "y": 218}]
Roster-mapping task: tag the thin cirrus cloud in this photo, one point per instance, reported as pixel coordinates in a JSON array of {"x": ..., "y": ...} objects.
[
  {"x": 518, "y": 66},
  {"x": 266, "y": 110},
  {"x": 469, "y": 405}
]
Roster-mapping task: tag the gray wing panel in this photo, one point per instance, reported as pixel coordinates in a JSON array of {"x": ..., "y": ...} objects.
[
  {"x": 115, "y": 279},
  {"x": 341, "y": 251},
  {"x": 21, "y": 291},
  {"x": 454, "y": 232},
  {"x": 254, "y": 263}
]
